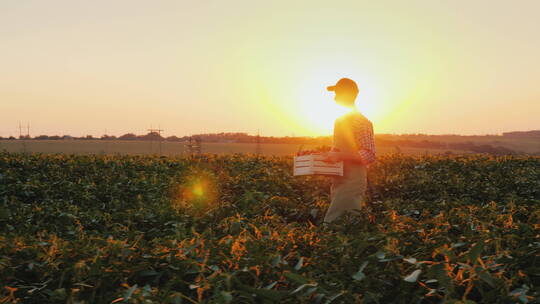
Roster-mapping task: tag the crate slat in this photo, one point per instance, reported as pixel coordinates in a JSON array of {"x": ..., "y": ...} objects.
[{"x": 313, "y": 165}]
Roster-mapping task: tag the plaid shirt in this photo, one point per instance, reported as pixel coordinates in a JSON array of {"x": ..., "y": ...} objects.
[{"x": 363, "y": 134}]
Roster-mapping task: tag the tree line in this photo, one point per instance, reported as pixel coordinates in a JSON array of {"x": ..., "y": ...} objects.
[{"x": 240, "y": 137}]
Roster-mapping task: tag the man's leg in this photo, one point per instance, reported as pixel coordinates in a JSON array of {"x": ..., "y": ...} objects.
[
  {"x": 346, "y": 194},
  {"x": 345, "y": 197}
]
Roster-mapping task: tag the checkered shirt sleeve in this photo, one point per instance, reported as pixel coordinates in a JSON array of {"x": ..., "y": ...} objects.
[{"x": 363, "y": 134}]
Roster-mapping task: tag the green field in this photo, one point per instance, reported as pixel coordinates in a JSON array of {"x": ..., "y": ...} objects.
[
  {"x": 170, "y": 148},
  {"x": 241, "y": 229}
]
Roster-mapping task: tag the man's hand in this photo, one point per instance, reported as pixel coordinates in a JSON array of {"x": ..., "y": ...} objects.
[{"x": 331, "y": 157}]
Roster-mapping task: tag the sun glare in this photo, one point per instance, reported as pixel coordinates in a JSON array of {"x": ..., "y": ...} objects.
[
  {"x": 318, "y": 109},
  {"x": 321, "y": 115}
]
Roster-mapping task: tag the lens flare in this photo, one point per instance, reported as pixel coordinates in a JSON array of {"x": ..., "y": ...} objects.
[{"x": 198, "y": 191}]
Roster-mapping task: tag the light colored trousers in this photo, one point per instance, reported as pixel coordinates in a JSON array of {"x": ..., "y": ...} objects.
[{"x": 347, "y": 192}]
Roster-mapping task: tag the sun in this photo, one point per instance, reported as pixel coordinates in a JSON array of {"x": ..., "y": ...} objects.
[{"x": 320, "y": 115}]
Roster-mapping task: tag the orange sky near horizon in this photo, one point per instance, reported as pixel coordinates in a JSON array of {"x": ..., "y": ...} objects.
[{"x": 436, "y": 67}]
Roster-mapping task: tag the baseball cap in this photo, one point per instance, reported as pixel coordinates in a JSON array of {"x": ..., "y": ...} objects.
[{"x": 344, "y": 83}]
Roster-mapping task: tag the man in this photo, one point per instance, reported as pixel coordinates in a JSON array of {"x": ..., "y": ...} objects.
[{"x": 354, "y": 145}]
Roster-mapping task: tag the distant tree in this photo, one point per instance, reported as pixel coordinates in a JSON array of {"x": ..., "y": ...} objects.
[
  {"x": 533, "y": 133},
  {"x": 88, "y": 137},
  {"x": 55, "y": 137},
  {"x": 128, "y": 136},
  {"x": 107, "y": 137},
  {"x": 173, "y": 138},
  {"x": 11, "y": 137},
  {"x": 151, "y": 136},
  {"x": 41, "y": 137}
]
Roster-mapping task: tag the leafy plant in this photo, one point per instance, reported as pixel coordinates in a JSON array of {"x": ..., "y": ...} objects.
[{"x": 241, "y": 229}]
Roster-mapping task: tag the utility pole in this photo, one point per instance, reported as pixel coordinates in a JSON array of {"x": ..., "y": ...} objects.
[
  {"x": 158, "y": 131},
  {"x": 258, "y": 147},
  {"x": 198, "y": 143},
  {"x": 22, "y": 138},
  {"x": 106, "y": 142}
]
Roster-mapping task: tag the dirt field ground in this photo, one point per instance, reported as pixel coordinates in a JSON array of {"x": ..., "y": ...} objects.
[
  {"x": 518, "y": 144},
  {"x": 167, "y": 148}
]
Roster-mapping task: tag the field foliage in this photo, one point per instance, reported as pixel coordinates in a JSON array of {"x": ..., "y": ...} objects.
[{"x": 241, "y": 229}]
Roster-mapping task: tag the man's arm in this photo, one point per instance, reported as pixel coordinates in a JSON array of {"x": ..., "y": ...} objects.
[{"x": 363, "y": 133}]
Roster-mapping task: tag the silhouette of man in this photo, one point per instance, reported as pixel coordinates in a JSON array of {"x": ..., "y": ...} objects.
[{"x": 354, "y": 145}]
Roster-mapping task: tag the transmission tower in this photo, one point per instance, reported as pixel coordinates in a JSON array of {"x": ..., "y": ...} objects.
[
  {"x": 21, "y": 128},
  {"x": 194, "y": 145}
]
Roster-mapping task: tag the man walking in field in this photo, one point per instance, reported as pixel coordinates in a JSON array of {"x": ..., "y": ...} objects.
[{"x": 354, "y": 145}]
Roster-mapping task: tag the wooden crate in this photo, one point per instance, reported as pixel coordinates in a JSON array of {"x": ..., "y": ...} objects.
[{"x": 313, "y": 165}]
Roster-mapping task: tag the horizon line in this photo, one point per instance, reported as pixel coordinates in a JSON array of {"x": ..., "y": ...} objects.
[{"x": 283, "y": 136}]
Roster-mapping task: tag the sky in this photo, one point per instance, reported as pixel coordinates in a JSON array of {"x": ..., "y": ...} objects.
[{"x": 435, "y": 67}]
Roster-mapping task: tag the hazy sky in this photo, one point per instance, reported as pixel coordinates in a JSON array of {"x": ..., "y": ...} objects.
[{"x": 439, "y": 67}]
